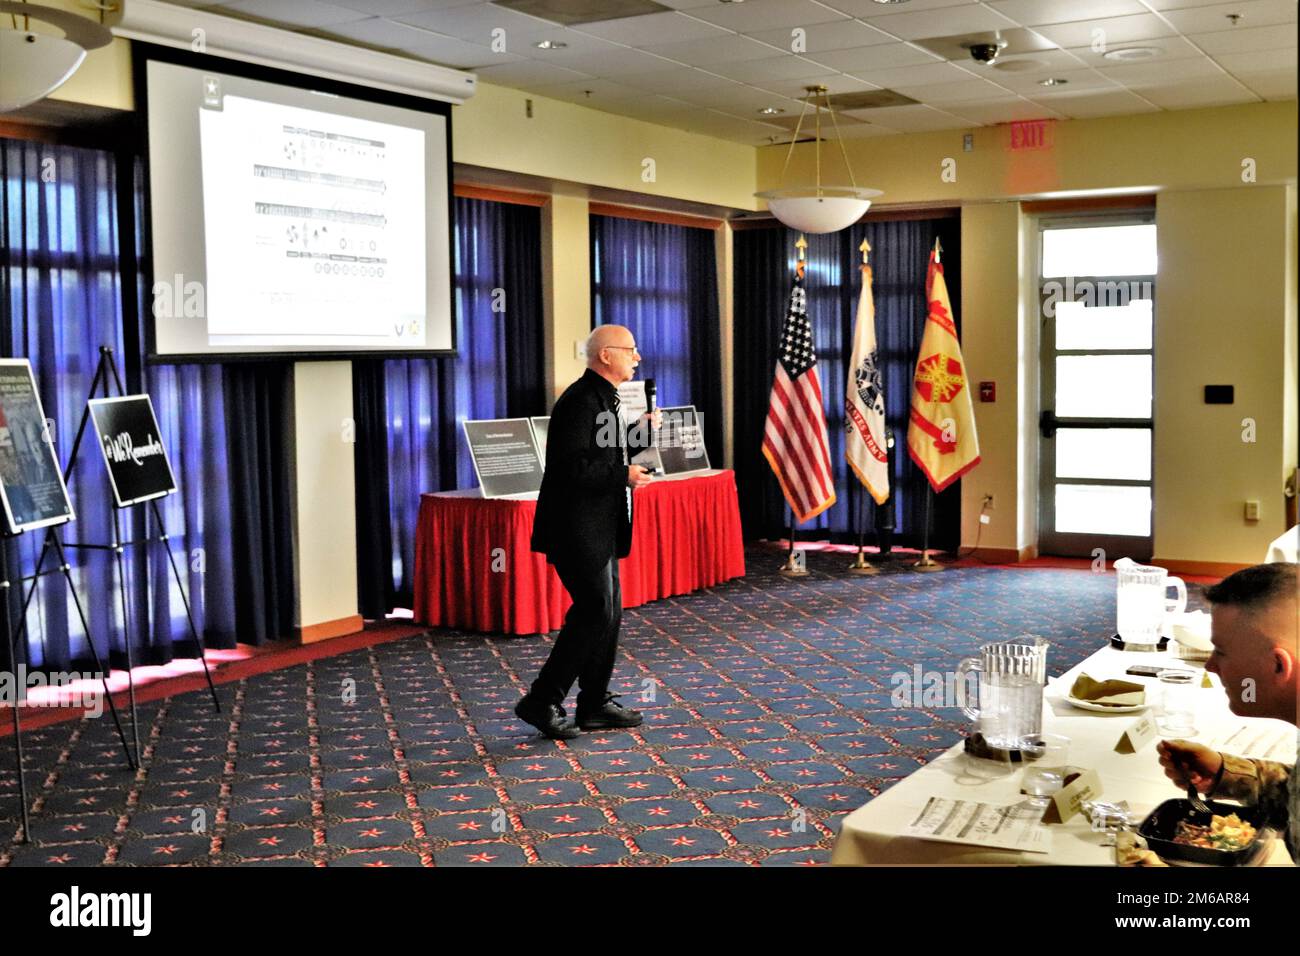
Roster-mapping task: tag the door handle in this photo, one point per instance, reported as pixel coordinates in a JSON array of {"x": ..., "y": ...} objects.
[{"x": 1047, "y": 423}]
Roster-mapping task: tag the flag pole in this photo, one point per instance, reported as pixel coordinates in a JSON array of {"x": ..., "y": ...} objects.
[
  {"x": 862, "y": 565},
  {"x": 927, "y": 563}
]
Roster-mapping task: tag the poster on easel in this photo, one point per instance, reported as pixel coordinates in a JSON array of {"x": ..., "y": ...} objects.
[
  {"x": 131, "y": 443},
  {"x": 31, "y": 482},
  {"x": 681, "y": 441},
  {"x": 505, "y": 457}
]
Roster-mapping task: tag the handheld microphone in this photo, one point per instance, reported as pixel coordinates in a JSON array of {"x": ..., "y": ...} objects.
[{"x": 650, "y": 395}]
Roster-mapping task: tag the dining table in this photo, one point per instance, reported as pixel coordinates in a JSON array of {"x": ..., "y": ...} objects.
[{"x": 877, "y": 833}]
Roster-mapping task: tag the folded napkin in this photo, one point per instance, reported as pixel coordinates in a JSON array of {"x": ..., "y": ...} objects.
[{"x": 1114, "y": 693}]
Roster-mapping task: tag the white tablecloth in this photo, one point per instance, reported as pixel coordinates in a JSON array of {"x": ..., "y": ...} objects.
[
  {"x": 1286, "y": 547},
  {"x": 870, "y": 834}
]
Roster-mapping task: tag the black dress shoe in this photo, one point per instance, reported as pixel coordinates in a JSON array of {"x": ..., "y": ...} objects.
[
  {"x": 607, "y": 715},
  {"x": 549, "y": 719}
]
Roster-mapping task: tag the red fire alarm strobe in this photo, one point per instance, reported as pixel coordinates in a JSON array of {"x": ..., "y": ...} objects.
[{"x": 988, "y": 391}]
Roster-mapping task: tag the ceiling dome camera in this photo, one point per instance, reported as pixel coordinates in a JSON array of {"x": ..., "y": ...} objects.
[{"x": 986, "y": 52}]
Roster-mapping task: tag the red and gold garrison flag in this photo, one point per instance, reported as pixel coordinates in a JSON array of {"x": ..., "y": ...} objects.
[{"x": 941, "y": 434}]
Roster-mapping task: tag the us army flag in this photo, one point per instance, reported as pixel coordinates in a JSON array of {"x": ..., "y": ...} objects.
[
  {"x": 941, "y": 434},
  {"x": 864, "y": 403}
]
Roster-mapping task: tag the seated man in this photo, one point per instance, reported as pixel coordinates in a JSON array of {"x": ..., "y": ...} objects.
[{"x": 1256, "y": 634}]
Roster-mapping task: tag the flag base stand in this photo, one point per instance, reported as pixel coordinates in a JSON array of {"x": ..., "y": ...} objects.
[
  {"x": 862, "y": 565},
  {"x": 796, "y": 562},
  {"x": 792, "y": 569},
  {"x": 928, "y": 563}
]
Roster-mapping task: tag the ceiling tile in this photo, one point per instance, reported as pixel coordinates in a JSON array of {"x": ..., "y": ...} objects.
[
  {"x": 911, "y": 119},
  {"x": 740, "y": 100},
  {"x": 725, "y": 48},
  {"x": 1093, "y": 104},
  {"x": 450, "y": 51},
  {"x": 1244, "y": 40},
  {"x": 946, "y": 22},
  {"x": 823, "y": 37},
  {"x": 1031, "y": 84},
  {"x": 1037, "y": 63},
  {"x": 392, "y": 8},
  {"x": 879, "y": 57},
  {"x": 1200, "y": 92},
  {"x": 602, "y": 91},
  {"x": 611, "y": 60},
  {"x": 867, "y": 9},
  {"x": 1004, "y": 111},
  {"x": 1033, "y": 12},
  {"x": 1272, "y": 84},
  {"x": 1161, "y": 72},
  {"x": 377, "y": 31},
  {"x": 834, "y": 83},
  {"x": 922, "y": 75},
  {"x": 527, "y": 73},
  {"x": 1114, "y": 30},
  {"x": 298, "y": 13},
  {"x": 946, "y": 94},
  {"x": 1254, "y": 13},
  {"x": 757, "y": 15},
  {"x": 1171, "y": 48},
  {"x": 680, "y": 80},
  {"x": 1239, "y": 64},
  {"x": 475, "y": 23},
  {"x": 770, "y": 69},
  {"x": 653, "y": 29},
  {"x": 1181, "y": 4}
]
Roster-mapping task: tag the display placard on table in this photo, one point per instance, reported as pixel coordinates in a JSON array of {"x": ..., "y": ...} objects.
[
  {"x": 505, "y": 455},
  {"x": 131, "y": 442},
  {"x": 541, "y": 425},
  {"x": 681, "y": 441},
  {"x": 31, "y": 481}
]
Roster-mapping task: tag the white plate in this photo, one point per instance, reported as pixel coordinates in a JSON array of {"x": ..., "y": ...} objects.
[{"x": 1105, "y": 708}]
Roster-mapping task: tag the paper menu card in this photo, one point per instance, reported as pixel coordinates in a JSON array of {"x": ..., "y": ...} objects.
[
  {"x": 1007, "y": 827},
  {"x": 1266, "y": 739}
]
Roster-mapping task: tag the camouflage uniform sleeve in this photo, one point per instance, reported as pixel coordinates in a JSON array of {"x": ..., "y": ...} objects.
[{"x": 1258, "y": 783}]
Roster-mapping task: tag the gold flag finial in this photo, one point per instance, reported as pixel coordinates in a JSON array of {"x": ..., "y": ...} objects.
[
  {"x": 801, "y": 245},
  {"x": 937, "y": 249},
  {"x": 864, "y": 248}
]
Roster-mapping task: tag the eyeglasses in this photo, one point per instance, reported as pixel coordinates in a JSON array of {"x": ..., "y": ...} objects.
[{"x": 626, "y": 348}]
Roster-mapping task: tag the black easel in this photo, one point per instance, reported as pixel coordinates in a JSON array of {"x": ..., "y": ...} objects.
[
  {"x": 15, "y": 639},
  {"x": 107, "y": 364}
]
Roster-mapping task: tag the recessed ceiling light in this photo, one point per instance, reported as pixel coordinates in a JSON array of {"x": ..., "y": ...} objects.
[
  {"x": 550, "y": 44},
  {"x": 771, "y": 110},
  {"x": 1053, "y": 81},
  {"x": 1126, "y": 54}
]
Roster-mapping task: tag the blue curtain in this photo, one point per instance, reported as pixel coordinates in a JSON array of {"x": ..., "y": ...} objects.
[
  {"x": 497, "y": 373},
  {"x": 660, "y": 280},
  {"x": 61, "y": 293},
  {"x": 764, "y": 266}
]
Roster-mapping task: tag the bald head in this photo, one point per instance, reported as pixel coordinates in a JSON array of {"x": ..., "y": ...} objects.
[{"x": 612, "y": 354}]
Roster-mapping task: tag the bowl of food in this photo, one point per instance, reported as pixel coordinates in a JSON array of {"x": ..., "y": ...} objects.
[{"x": 1229, "y": 835}]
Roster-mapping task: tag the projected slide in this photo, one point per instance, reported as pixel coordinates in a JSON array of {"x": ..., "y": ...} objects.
[
  {"x": 314, "y": 227},
  {"x": 290, "y": 220}
]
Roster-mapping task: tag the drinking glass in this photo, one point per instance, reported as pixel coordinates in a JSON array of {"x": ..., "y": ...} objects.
[
  {"x": 1177, "y": 703},
  {"x": 1046, "y": 775}
]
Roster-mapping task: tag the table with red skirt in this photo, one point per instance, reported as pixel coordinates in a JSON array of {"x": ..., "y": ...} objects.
[{"x": 475, "y": 570}]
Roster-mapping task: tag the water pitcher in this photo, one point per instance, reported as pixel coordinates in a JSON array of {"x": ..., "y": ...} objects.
[
  {"x": 1011, "y": 679},
  {"x": 1142, "y": 600}
]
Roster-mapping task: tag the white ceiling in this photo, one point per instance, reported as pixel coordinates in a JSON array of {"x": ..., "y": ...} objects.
[{"x": 708, "y": 66}]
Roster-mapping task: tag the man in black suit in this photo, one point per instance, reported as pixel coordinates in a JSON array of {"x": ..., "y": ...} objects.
[{"x": 583, "y": 525}]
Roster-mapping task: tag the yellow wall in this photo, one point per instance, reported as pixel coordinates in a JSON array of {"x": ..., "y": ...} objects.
[
  {"x": 1185, "y": 149},
  {"x": 1222, "y": 318}
]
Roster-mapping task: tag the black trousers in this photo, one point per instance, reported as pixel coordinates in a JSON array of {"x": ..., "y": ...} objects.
[{"x": 585, "y": 647}]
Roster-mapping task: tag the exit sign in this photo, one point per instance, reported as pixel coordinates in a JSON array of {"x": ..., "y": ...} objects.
[{"x": 1030, "y": 134}]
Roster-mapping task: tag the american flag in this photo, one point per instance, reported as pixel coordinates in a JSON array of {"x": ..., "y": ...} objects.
[{"x": 794, "y": 441}]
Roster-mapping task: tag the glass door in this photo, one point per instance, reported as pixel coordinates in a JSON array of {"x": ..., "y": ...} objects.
[{"x": 1097, "y": 297}]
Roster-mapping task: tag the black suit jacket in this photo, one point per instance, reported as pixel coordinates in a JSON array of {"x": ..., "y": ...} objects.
[{"x": 582, "y": 513}]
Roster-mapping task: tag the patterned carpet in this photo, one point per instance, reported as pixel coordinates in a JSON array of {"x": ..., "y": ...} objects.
[{"x": 768, "y": 718}]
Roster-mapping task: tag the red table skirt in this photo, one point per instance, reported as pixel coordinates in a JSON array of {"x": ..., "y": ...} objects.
[{"x": 474, "y": 569}]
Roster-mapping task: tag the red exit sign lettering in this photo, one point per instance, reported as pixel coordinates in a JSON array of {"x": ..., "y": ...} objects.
[{"x": 1030, "y": 134}]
